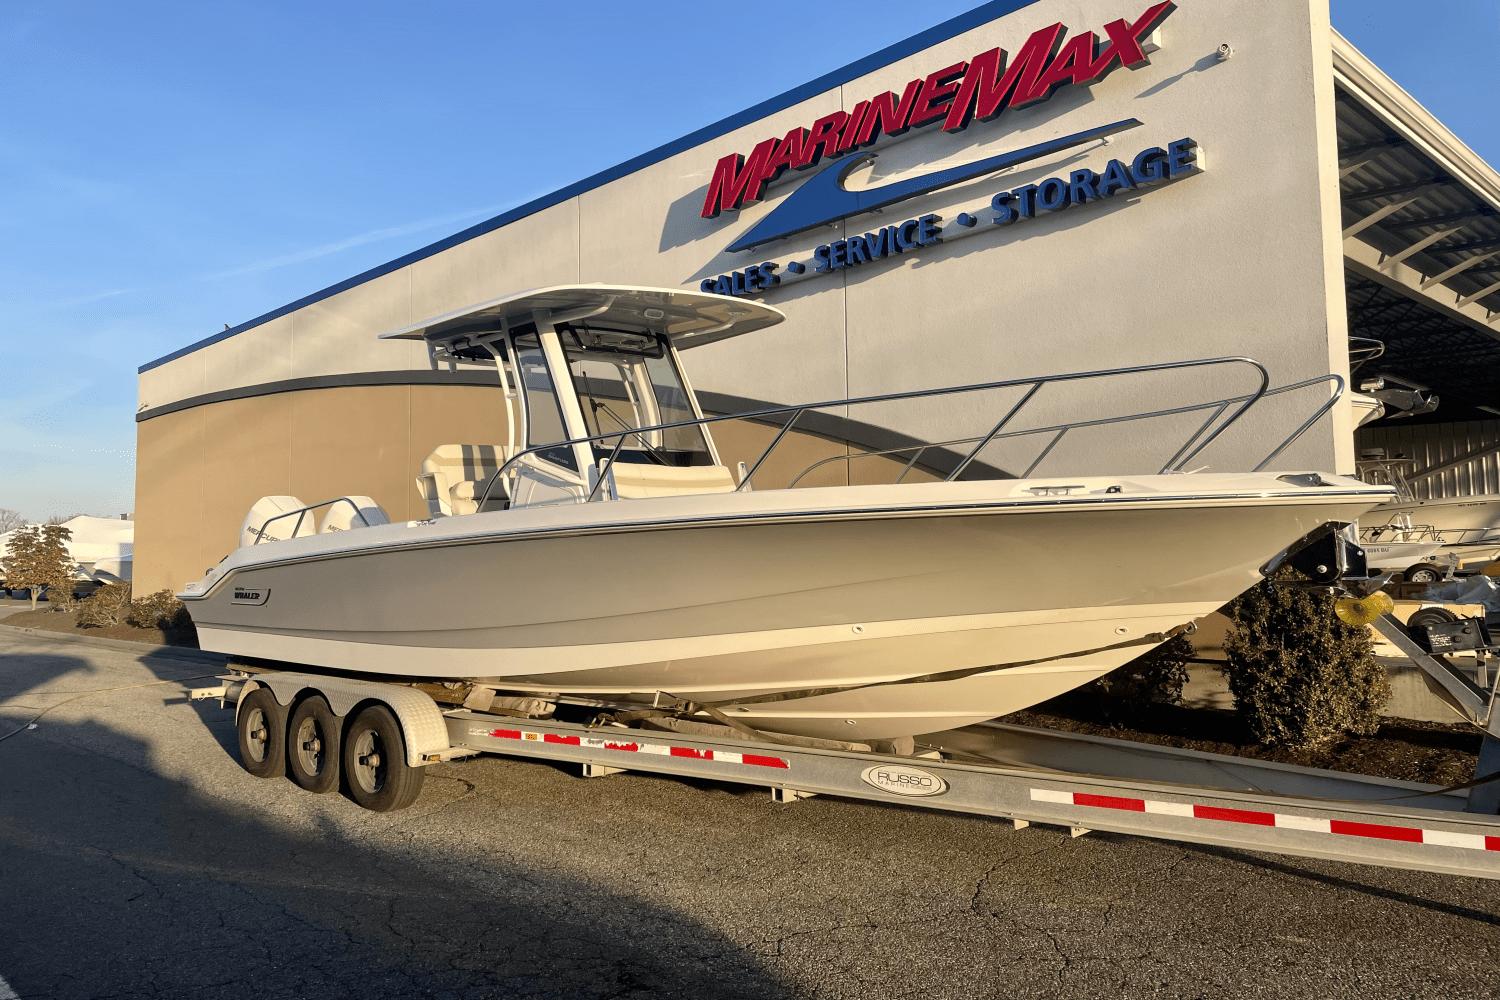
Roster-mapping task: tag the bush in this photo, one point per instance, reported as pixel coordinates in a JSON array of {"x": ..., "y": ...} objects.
[
  {"x": 164, "y": 612},
  {"x": 1129, "y": 692},
  {"x": 153, "y": 610},
  {"x": 1299, "y": 676},
  {"x": 105, "y": 607}
]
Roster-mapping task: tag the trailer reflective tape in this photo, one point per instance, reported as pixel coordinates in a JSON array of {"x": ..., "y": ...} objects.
[
  {"x": 1250, "y": 816},
  {"x": 758, "y": 760},
  {"x": 1109, "y": 802},
  {"x": 1281, "y": 821},
  {"x": 1346, "y": 828},
  {"x": 658, "y": 749}
]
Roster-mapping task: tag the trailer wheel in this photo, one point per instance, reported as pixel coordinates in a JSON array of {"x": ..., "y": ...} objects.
[
  {"x": 262, "y": 734},
  {"x": 1423, "y": 573},
  {"x": 312, "y": 745},
  {"x": 375, "y": 767}
]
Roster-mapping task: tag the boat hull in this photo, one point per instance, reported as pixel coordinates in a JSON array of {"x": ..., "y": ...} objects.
[{"x": 760, "y": 598}]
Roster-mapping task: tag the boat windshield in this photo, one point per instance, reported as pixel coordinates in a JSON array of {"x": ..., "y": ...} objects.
[
  {"x": 544, "y": 420},
  {"x": 1387, "y": 473},
  {"x": 628, "y": 379}
]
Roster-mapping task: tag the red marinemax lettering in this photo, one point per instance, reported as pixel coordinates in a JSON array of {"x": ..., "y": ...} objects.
[
  {"x": 851, "y": 128},
  {"x": 1125, "y": 38},
  {"x": 979, "y": 89},
  {"x": 988, "y": 86},
  {"x": 824, "y": 138},
  {"x": 936, "y": 95},
  {"x": 889, "y": 112}
]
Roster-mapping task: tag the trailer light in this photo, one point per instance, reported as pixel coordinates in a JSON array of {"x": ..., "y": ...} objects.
[{"x": 1363, "y": 610}]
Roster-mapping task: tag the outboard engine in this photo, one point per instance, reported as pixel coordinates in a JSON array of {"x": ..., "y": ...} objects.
[
  {"x": 347, "y": 513},
  {"x": 265, "y": 522}
]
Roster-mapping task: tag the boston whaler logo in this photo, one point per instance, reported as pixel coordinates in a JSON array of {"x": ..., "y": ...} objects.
[
  {"x": 904, "y": 780},
  {"x": 255, "y": 596},
  {"x": 979, "y": 89}
]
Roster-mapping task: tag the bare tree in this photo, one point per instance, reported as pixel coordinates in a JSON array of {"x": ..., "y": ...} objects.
[{"x": 10, "y": 520}]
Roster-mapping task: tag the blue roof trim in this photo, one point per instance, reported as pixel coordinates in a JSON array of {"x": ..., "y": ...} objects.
[{"x": 980, "y": 15}]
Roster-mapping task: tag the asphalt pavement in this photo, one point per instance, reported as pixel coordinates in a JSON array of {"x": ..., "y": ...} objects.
[{"x": 138, "y": 859}]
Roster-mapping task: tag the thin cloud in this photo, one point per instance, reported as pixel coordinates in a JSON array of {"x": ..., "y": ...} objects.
[{"x": 350, "y": 242}]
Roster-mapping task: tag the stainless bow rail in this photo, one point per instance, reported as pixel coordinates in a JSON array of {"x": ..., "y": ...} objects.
[{"x": 1217, "y": 423}]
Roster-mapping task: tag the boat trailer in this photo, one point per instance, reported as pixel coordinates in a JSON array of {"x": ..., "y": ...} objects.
[{"x": 1025, "y": 776}]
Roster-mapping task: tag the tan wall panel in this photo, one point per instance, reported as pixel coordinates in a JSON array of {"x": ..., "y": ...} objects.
[
  {"x": 198, "y": 471},
  {"x": 168, "y": 500},
  {"x": 352, "y": 442},
  {"x": 243, "y": 457}
]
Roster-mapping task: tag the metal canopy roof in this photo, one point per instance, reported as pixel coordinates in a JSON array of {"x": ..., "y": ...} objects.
[
  {"x": 1421, "y": 217},
  {"x": 1396, "y": 199},
  {"x": 689, "y": 318},
  {"x": 1425, "y": 347}
]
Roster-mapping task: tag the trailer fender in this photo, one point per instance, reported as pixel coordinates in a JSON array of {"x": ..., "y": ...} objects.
[{"x": 422, "y": 723}]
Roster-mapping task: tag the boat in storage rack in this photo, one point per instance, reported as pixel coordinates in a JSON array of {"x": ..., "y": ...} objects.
[{"x": 606, "y": 553}]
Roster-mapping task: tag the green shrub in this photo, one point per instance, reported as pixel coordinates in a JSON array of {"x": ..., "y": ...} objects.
[
  {"x": 1299, "y": 676},
  {"x": 164, "y": 612},
  {"x": 153, "y": 610},
  {"x": 105, "y": 607},
  {"x": 1156, "y": 678}
]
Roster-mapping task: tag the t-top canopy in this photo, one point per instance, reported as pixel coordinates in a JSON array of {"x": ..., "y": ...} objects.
[{"x": 688, "y": 318}]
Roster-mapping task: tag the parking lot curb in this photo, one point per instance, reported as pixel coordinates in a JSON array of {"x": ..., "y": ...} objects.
[{"x": 184, "y": 653}]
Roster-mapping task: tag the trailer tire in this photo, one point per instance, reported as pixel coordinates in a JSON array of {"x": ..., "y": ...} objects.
[
  {"x": 374, "y": 757},
  {"x": 261, "y": 726},
  {"x": 1423, "y": 573},
  {"x": 313, "y": 746}
]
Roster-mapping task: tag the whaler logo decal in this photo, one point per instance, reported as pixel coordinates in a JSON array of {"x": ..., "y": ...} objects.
[
  {"x": 978, "y": 89},
  {"x": 255, "y": 596}
]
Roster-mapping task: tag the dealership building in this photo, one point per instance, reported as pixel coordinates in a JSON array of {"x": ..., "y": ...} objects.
[{"x": 1037, "y": 186}]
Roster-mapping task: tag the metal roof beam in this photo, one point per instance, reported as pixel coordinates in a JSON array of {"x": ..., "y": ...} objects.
[
  {"x": 1466, "y": 247},
  {"x": 1443, "y": 220},
  {"x": 1380, "y": 213},
  {"x": 1484, "y": 293},
  {"x": 1351, "y": 153},
  {"x": 1350, "y": 164},
  {"x": 1419, "y": 246},
  {"x": 1387, "y": 192},
  {"x": 1455, "y": 270}
]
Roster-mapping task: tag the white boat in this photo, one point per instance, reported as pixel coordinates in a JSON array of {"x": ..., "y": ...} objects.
[
  {"x": 606, "y": 554},
  {"x": 1469, "y": 522},
  {"x": 100, "y": 548},
  {"x": 1417, "y": 552}
]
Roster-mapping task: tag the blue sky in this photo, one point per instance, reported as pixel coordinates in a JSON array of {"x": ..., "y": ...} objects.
[{"x": 169, "y": 168}]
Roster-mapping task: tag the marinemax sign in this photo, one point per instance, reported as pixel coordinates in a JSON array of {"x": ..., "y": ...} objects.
[{"x": 978, "y": 89}]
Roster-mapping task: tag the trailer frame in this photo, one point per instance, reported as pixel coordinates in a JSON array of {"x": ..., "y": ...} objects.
[{"x": 1373, "y": 821}]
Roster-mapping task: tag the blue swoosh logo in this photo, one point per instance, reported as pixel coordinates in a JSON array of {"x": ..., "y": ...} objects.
[{"x": 822, "y": 200}]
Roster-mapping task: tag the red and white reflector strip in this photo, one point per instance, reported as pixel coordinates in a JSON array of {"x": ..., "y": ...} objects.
[
  {"x": 633, "y": 746},
  {"x": 1283, "y": 821}
]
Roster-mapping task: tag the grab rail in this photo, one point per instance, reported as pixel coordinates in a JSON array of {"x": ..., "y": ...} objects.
[
  {"x": 1196, "y": 443},
  {"x": 302, "y": 512},
  {"x": 1218, "y": 405}
]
